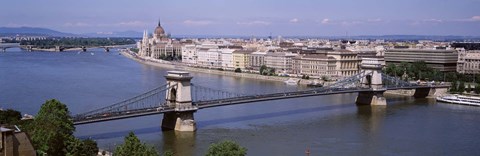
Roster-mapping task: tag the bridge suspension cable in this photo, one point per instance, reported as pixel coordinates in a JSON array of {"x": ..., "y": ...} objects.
[
  {"x": 148, "y": 100},
  {"x": 201, "y": 93},
  {"x": 390, "y": 81}
]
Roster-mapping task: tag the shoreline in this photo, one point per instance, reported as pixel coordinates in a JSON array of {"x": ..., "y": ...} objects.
[
  {"x": 169, "y": 65},
  {"x": 166, "y": 64}
]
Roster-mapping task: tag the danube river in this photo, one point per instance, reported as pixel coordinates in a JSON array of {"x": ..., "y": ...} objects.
[{"x": 326, "y": 125}]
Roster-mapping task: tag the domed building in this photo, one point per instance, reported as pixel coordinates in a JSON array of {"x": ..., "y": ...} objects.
[
  {"x": 159, "y": 33},
  {"x": 160, "y": 46}
]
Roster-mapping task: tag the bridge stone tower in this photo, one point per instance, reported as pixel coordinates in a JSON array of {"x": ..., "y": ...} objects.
[
  {"x": 179, "y": 97},
  {"x": 372, "y": 67}
]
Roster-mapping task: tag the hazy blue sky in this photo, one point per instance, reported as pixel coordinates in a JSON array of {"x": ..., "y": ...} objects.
[{"x": 249, "y": 17}]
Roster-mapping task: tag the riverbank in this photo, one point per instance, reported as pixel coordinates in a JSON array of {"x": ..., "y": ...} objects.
[
  {"x": 178, "y": 66},
  {"x": 411, "y": 92}
]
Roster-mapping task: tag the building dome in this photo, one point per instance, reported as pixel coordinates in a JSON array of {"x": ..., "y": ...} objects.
[{"x": 159, "y": 32}]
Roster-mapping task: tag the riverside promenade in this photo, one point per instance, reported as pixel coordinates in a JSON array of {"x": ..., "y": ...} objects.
[{"x": 181, "y": 66}]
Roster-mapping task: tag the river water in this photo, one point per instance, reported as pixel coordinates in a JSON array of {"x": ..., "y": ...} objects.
[{"x": 325, "y": 125}]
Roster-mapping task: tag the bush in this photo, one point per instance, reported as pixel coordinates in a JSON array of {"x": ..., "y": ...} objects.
[
  {"x": 238, "y": 70},
  {"x": 461, "y": 87},
  {"x": 477, "y": 88},
  {"x": 325, "y": 78},
  {"x": 133, "y": 146},
  {"x": 10, "y": 116},
  {"x": 226, "y": 148}
]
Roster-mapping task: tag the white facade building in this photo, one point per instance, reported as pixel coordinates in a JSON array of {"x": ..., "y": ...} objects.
[
  {"x": 209, "y": 57},
  {"x": 189, "y": 54},
  {"x": 227, "y": 59}
]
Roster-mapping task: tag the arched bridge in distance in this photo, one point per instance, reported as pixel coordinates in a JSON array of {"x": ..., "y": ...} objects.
[
  {"x": 178, "y": 99},
  {"x": 5, "y": 46}
]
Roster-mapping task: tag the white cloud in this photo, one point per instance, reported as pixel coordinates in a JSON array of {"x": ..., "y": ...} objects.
[
  {"x": 133, "y": 24},
  {"x": 375, "y": 20},
  {"x": 119, "y": 24},
  {"x": 77, "y": 24},
  {"x": 250, "y": 23},
  {"x": 197, "y": 22},
  {"x": 295, "y": 20},
  {"x": 433, "y": 20},
  {"x": 475, "y": 18},
  {"x": 325, "y": 21},
  {"x": 471, "y": 19}
]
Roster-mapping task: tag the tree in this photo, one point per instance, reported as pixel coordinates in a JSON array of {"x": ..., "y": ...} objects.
[
  {"x": 391, "y": 70},
  {"x": 168, "y": 153},
  {"x": 238, "y": 70},
  {"x": 469, "y": 88},
  {"x": 325, "y": 78},
  {"x": 263, "y": 70},
  {"x": 133, "y": 146},
  {"x": 226, "y": 148},
  {"x": 477, "y": 88},
  {"x": 450, "y": 77},
  {"x": 10, "y": 116},
  {"x": 461, "y": 87},
  {"x": 453, "y": 88},
  {"x": 77, "y": 147},
  {"x": 52, "y": 128}
]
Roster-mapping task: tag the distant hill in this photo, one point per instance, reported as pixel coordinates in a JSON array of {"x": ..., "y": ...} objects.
[
  {"x": 133, "y": 34},
  {"x": 31, "y": 31}
]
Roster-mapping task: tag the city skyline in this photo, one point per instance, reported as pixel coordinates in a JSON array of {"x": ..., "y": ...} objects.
[{"x": 249, "y": 17}]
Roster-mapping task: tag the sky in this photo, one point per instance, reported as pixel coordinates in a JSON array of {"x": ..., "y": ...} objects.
[{"x": 249, "y": 17}]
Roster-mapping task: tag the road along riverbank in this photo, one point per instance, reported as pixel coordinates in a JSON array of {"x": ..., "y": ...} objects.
[{"x": 179, "y": 66}]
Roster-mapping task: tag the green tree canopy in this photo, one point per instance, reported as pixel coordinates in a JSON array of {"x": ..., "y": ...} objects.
[
  {"x": 461, "y": 87},
  {"x": 77, "y": 147},
  {"x": 133, "y": 147},
  {"x": 52, "y": 128},
  {"x": 238, "y": 70},
  {"x": 263, "y": 70},
  {"x": 226, "y": 148},
  {"x": 477, "y": 88},
  {"x": 392, "y": 70},
  {"x": 10, "y": 116},
  {"x": 453, "y": 88}
]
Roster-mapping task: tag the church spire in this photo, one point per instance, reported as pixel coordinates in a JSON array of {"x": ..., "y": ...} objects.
[{"x": 159, "y": 23}]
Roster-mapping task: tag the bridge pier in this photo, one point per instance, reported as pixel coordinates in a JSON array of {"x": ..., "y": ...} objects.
[
  {"x": 179, "y": 121},
  {"x": 424, "y": 93},
  {"x": 372, "y": 80},
  {"x": 374, "y": 98},
  {"x": 179, "y": 96}
]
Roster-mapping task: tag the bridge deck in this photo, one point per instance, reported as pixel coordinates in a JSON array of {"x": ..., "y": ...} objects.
[{"x": 233, "y": 101}]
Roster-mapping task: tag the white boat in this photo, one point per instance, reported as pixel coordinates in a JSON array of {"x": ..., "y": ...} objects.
[
  {"x": 460, "y": 99},
  {"x": 291, "y": 82}
]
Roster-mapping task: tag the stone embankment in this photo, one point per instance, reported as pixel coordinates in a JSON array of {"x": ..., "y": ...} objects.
[{"x": 179, "y": 66}]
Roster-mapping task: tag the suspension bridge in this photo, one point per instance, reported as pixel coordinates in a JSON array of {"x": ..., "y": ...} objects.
[{"x": 178, "y": 99}]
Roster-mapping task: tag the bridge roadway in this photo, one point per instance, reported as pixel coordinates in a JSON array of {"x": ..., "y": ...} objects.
[
  {"x": 232, "y": 101},
  {"x": 4, "y": 46}
]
